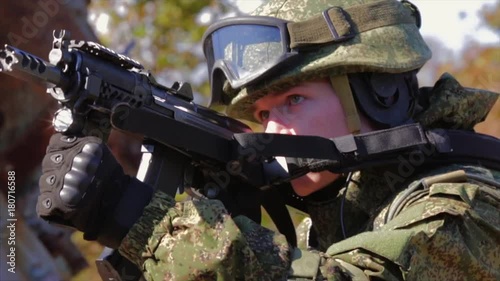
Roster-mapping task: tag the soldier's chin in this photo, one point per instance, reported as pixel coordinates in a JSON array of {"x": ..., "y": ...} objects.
[{"x": 312, "y": 182}]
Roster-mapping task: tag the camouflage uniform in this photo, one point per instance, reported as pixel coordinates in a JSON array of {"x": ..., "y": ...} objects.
[
  {"x": 446, "y": 231},
  {"x": 396, "y": 222}
]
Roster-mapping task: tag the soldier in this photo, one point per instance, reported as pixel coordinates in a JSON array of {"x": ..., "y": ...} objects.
[{"x": 307, "y": 67}]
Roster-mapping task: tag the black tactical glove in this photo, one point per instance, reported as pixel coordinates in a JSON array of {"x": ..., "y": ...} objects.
[{"x": 84, "y": 187}]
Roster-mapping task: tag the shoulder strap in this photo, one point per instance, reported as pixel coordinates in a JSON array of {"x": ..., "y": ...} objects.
[{"x": 355, "y": 152}]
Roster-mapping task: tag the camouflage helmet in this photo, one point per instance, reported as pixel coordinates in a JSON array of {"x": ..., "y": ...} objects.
[{"x": 381, "y": 48}]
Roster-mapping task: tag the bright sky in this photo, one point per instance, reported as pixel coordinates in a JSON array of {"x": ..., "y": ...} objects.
[{"x": 453, "y": 22}]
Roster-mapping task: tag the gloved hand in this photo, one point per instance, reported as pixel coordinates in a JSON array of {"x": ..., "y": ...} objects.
[{"x": 83, "y": 186}]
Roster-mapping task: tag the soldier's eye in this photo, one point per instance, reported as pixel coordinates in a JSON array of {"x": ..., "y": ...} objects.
[
  {"x": 295, "y": 99},
  {"x": 264, "y": 115}
]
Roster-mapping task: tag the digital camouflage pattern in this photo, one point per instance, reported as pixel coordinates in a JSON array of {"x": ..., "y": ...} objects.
[
  {"x": 391, "y": 49},
  {"x": 449, "y": 105},
  {"x": 198, "y": 240},
  {"x": 448, "y": 231}
]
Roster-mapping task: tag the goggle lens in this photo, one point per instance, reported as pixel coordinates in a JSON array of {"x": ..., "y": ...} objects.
[{"x": 246, "y": 49}]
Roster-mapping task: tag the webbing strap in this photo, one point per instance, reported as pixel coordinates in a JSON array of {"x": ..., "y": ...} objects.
[
  {"x": 336, "y": 149},
  {"x": 340, "y": 84},
  {"x": 274, "y": 203},
  {"x": 354, "y": 152},
  {"x": 456, "y": 144},
  {"x": 337, "y": 24}
]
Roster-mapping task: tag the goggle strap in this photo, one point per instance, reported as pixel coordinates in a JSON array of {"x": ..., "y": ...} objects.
[
  {"x": 340, "y": 84},
  {"x": 336, "y": 24}
]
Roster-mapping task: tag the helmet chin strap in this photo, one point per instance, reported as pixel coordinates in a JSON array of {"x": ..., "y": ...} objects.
[{"x": 340, "y": 84}]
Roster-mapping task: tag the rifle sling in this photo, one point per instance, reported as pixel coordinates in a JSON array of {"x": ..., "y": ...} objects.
[
  {"x": 355, "y": 152},
  {"x": 275, "y": 205}
]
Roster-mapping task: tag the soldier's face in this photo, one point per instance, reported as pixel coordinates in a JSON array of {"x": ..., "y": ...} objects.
[{"x": 310, "y": 108}]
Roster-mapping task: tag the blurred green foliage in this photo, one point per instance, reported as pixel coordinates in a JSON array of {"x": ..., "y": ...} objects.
[{"x": 165, "y": 36}]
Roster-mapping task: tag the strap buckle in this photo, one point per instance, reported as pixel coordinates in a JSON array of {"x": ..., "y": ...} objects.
[{"x": 340, "y": 14}]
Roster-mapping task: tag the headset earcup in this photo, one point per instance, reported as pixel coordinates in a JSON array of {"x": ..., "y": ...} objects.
[{"x": 387, "y": 99}]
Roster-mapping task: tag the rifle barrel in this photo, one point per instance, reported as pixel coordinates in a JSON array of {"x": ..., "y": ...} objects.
[{"x": 28, "y": 67}]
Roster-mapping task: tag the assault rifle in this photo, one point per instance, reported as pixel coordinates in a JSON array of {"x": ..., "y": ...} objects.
[
  {"x": 187, "y": 147},
  {"x": 99, "y": 89},
  {"x": 193, "y": 149}
]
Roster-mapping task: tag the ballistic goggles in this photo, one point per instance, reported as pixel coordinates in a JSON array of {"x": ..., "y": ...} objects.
[{"x": 244, "y": 50}]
